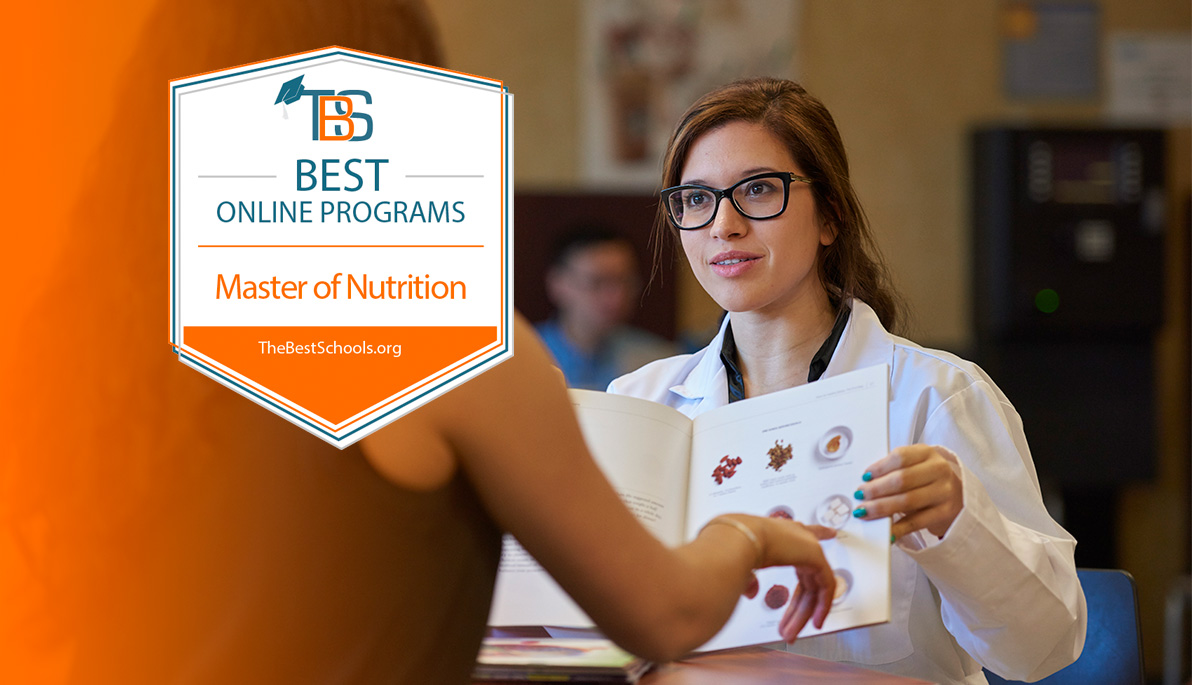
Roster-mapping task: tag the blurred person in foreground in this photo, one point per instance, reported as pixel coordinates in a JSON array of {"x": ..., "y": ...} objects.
[
  {"x": 170, "y": 531},
  {"x": 593, "y": 283}
]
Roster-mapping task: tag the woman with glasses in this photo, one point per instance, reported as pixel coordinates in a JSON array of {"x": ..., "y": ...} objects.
[{"x": 758, "y": 195}]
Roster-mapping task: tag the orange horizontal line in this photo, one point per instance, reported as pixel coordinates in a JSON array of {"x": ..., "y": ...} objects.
[{"x": 339, "y": 246}]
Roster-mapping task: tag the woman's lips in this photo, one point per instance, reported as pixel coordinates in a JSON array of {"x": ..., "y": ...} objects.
[{"x": 731, "y": 264}]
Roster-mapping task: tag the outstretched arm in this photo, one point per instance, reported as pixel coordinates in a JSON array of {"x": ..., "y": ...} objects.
[{"x": 515, "y": 436}]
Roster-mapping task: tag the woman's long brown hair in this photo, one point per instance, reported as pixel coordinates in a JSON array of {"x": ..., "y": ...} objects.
[{"x": 852, "y": 266}]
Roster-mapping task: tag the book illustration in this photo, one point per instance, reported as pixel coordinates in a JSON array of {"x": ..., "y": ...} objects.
[
  {"x": 844, "y": 583},
  {"x": 834, "y": 443},
  {"x": 834, "y": 512},
  {"x": 781, "y": 512},
  {"x": 777, "y": 596},
  {"x": 727, "y": 468},
  {"x": 779, "y": 454}
]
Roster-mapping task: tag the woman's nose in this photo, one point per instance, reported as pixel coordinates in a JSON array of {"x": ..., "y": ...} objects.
[{"x": 728, "y": 222}]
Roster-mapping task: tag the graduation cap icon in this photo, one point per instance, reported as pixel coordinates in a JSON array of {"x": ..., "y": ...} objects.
[{"x": 290, "y": 91}]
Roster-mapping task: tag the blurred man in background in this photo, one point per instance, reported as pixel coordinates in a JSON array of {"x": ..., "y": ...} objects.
[{"x": 594, "y": 284}]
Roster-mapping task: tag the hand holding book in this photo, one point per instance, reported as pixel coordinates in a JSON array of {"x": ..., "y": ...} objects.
[{"x": 917, "y": 481}]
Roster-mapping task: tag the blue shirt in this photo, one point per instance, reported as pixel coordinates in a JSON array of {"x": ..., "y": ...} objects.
[{"x": 624, "y": 350}]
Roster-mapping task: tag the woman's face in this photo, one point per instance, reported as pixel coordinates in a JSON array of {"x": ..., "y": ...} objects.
[{"x": 750, "y": 265}]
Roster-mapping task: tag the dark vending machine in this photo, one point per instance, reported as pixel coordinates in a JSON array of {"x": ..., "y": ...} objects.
[{"x": 1068, "y": 289}]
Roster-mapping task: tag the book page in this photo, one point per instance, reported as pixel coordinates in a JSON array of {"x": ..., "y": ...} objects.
[
  {"x": 799, "y": 454},
  {"x": 642, "y": 447}
]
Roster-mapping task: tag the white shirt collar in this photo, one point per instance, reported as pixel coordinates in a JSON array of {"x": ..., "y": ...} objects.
[
  {"x": 708, "y": 374},
  {"x": 863, "y": 343}
]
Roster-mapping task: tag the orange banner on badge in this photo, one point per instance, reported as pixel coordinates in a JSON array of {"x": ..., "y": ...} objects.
[{"x": 336, "y": 372}]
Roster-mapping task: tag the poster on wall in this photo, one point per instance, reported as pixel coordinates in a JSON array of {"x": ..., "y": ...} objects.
[
  {"x": 1050, "y": 49},
  {"x": 1150, "y": 78},
  {"x": 643, "y": 63}
]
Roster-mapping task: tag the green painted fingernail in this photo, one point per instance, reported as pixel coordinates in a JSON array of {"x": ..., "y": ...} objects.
[
  {"x": 867, "y": 476},
  {"x": 859, "y": 512},
  {"x": 859, "y": 495},
  {"x": 891, "y": 538}
]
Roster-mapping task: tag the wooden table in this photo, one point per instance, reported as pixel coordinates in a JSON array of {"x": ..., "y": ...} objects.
[
  {"x": 746, "y": 666},
  {"x": 761, "y": 666}
]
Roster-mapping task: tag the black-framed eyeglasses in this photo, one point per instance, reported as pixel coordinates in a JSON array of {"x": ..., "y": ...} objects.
[{"x": 762, "y": 196}]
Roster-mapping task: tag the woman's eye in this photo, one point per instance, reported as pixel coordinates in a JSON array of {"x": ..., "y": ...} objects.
[
  {"x": 696, "y": 198},
  {"x": 758, "y": 188}
]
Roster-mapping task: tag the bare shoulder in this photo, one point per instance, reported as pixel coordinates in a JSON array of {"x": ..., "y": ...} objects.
[
  {"x": 421, "y": 450},
  {"x": 411, "y": 453},
  {"x": 502, "y": 394}
]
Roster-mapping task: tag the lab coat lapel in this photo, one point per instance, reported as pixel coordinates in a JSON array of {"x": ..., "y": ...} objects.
[
  {"x": 864, "y": 343},
  {"x": 706, "y": 386}
]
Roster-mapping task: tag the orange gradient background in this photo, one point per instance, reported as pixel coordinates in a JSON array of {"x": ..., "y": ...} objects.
[
  {"x": 42, "y": 181},
  {"x": 102, "y": 422}
]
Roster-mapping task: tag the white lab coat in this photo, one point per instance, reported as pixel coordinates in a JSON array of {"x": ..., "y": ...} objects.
[{"x": 1000, "y": 589}]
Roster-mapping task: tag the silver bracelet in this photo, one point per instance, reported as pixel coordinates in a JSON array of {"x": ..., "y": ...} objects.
[{"x": 757, "y": 544}]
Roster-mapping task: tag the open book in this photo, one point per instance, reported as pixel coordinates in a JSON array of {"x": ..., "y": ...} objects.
[{"x": 797, "y": 454}]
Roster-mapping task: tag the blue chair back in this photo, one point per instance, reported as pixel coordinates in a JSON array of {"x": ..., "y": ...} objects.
[{"x": 1113, "y": 644}]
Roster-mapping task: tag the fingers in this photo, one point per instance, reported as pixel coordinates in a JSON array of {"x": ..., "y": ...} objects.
[
  {"x": 789, "y": 543},
  {"x": 907, "y": 502},
  {"x": 811, "y": 601},
  {"x": 788, "y": 617},
  {"x": 898, "y": 458},
  {"x": 906, "y": 478},
  {"x": 821, "y": 532},
  {"x": 801, "y": 608},
  {"x": 906, "y": 468},
  {"x": 916, "y": 481},
  {"x": 827, "y": 593},
  {"x": 936, "y": 520},
  {"x": 823, "y": 586}
]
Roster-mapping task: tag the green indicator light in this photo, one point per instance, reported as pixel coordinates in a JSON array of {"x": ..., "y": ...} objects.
[{"x": 1047, "y": 300}]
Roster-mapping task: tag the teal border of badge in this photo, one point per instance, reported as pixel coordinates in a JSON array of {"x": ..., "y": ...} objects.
[{"x": 506, "y": 236}]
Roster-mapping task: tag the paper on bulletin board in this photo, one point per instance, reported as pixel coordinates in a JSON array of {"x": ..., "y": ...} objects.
[
  {"x": 1150, "y": 78},
  {"x": 643, "y": 63},
  {"x": 1049, "y": 49}
]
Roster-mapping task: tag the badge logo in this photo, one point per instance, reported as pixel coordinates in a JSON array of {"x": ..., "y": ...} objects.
[
  {"x": 351, "y": 260},
  {"x": 345, "y": 112}
]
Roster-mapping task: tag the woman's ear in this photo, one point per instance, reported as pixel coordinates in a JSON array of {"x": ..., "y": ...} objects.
[{"x": 827, "y": 228}]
